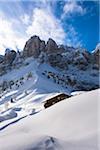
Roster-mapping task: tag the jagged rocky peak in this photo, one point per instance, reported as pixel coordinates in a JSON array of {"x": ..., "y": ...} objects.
[
  {"x": 9, "y": 56},
  {"x": 51, "y": 52},
  {"x": 97, "y": 47},
  {"x": 51, "y": 46},
  {"x": 61, "y": 48},
  {"x": 69, "y": 48},
  {"x": 97, "y": 53},
  {"x": 97, "y": 50},
  {"x": 6, "y": 61},
  {"x": 33, "y": 47}
]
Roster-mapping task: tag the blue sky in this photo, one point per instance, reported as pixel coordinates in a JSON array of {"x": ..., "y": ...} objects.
[{"x": 69, "y": 22}]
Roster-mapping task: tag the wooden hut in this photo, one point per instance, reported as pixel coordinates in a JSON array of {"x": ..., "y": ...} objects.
[{"x": 55, "y": 99}]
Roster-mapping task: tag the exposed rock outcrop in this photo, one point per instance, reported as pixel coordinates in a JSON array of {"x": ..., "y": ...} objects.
[
  {"x": 97, "y": 56},
  {"x": 1, "y": 58},
  {"x": 86, "y": 55},
  {"x": 9, "y": 57},
  {"x": 42, "y": 46},
  {"x": 56, "y": 60},
  {"x": 67, "y": 60},
  {"x": 51, "y": 46},
  {"x": 33, "y": 47},
  {"x": 80, "y": 61},
  {"x": 61, "y": 48}
]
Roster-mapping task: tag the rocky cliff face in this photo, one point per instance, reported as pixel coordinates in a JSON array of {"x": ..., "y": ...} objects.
[
  {"x": 7, "y": 60},
  {"x": 51, "y": 46},
  {"x": 1, "y": 58},
  {"x": 9, "y": 57},
  {"x": 33, "y": 47},
  {"x": 97, "y": 56},
  {"x": 58, "y": 56},
  {"x": 69, "y": 55},
  {"x": 63, "y": 58}
]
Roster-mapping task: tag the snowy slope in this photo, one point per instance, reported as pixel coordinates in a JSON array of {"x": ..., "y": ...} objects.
[
  {"x": 69, "y": 124},
  {"x": 38, "y": 89}
]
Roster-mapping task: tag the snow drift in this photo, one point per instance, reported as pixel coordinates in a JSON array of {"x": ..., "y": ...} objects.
[{"x": 70, "y": 124}]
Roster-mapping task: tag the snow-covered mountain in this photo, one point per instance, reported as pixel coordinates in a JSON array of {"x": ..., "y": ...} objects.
[
  {"x": 97, "y": 47},
  {"x": 38, "y": 73},
  {"x": 68, "y": 61}
]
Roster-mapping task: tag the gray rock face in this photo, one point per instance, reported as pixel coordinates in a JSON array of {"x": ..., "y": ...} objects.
[
  {"x": 56, "y": 60},
  {"x": 9, "y": 57},
  {"x": 60, "y": 56},
  {"x": 61, "y": 48},
  {"x": 86, "y": 55},
  {"x": 1, "y": 58},
  {"x": 96, "y": 56},
  {"x": 80, "y": 60},
  {"x": 2, "y": 70},
  {"x": 51, "y": 46},
  {"x": 33, "y": 47},
  {"x": 42, "y": 46}
]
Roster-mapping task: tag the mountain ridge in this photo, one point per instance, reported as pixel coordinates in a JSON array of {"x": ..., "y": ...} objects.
[{"x": 69, "y": 61}]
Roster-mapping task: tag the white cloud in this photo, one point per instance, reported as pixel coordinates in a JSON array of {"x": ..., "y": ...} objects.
[
  {"x": 25, "y": 19},
  {"x": 72, "y": 7},
  {"x": 45, "y": 25},
  {"x": 73, "y": 37},
  {"x": 15, "y": 32},
  {"x": 8, "y": 36}
]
